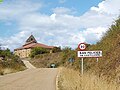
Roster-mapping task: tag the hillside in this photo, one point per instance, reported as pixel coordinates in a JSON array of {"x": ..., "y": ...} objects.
[
  {"x": 59, "y": 59},
  {"x": 109, "y": 64},
  {"x": 45, "y": 60},
  {"x": 101, "y": 75},
  {"x": 10, "y": 63}
]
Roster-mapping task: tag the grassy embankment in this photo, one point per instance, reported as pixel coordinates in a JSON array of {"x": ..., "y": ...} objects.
[
  {"x": 72, "y": 80},
  {"x": 44, "y": 60},
  {"x": 10, "y": 63},
  {"x": 58, "y": 58},
  {"x": 104, "y": 75}
]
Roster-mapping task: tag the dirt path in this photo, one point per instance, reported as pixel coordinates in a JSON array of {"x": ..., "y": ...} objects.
[
  {"x": 28, "y": 64},
  {"x": 30, "y": 79}
]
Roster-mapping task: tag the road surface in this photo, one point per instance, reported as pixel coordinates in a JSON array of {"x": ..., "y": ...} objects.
[{"x": 30, "y": 79}]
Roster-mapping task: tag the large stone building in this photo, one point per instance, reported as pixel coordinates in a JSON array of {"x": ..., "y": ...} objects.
[{"x": 31, "y": 43}]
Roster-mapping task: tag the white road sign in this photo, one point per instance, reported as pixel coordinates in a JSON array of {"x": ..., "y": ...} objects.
[{"x": 89, "y": 54}]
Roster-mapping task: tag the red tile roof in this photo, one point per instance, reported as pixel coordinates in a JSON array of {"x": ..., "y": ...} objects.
[{"x": 32, "y": 45}]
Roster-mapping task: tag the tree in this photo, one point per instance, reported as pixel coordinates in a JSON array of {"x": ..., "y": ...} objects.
[{"x": 5, "y": 53}]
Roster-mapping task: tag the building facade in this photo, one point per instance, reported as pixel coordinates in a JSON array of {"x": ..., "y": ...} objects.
[{"x": 30, "y": 43}]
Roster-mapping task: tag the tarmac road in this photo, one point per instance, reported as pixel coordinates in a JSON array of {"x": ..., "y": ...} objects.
[{"x": 30, "y": 79}]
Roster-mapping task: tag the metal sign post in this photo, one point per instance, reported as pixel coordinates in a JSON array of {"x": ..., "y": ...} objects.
[
  {"x": 97, "y": 59},
  {"x": 82, "y": 62},
  {"x": 82, "y": 47}
]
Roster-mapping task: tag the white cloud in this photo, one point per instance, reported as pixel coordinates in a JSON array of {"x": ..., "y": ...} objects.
[
  {"x": 53, "y": 16},
  {"x": 62, "y": 1},
  {"x": 92, "y": 35},
  {"x": 17, "y": 9},
  {"x": 61, "y": 27},
  {"x": 108, "y": 6},
  {"x": 63, "y": 10},
  {"x": 14, "y": 41}
]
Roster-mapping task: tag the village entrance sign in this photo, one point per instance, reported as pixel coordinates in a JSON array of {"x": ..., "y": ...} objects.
[{"x": 82, "y": 53}]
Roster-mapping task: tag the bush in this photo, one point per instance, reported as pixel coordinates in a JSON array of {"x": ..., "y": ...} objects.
[
  {"x": 56, "y": 49},
  {"x": 10, "y": 62},
  {"x": 5, "y": 54},
  {"x": 38, "y": 50}
]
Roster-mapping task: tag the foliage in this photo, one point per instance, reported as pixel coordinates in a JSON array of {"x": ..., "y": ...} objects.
[
  {"x": 56, "y": 49},
  {"x": 10, "y": 62},
  {"x": 66, "y": 49},
  {"x": 38, "y": 50},
  {"x": 66, "y": 54},
  {"x": 110, "y": 45},
  {"x": 7, "y": 55}
]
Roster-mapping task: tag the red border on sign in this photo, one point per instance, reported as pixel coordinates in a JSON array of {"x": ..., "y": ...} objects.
[{"x": 79, "y": 46}]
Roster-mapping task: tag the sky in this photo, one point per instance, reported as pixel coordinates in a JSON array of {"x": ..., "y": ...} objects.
[{"x": 56, "y": 22}]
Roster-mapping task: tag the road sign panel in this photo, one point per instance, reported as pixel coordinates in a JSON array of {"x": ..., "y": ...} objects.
[
  {"x": 82, "y": 46},
  {"x": 89, "y": 54}
]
